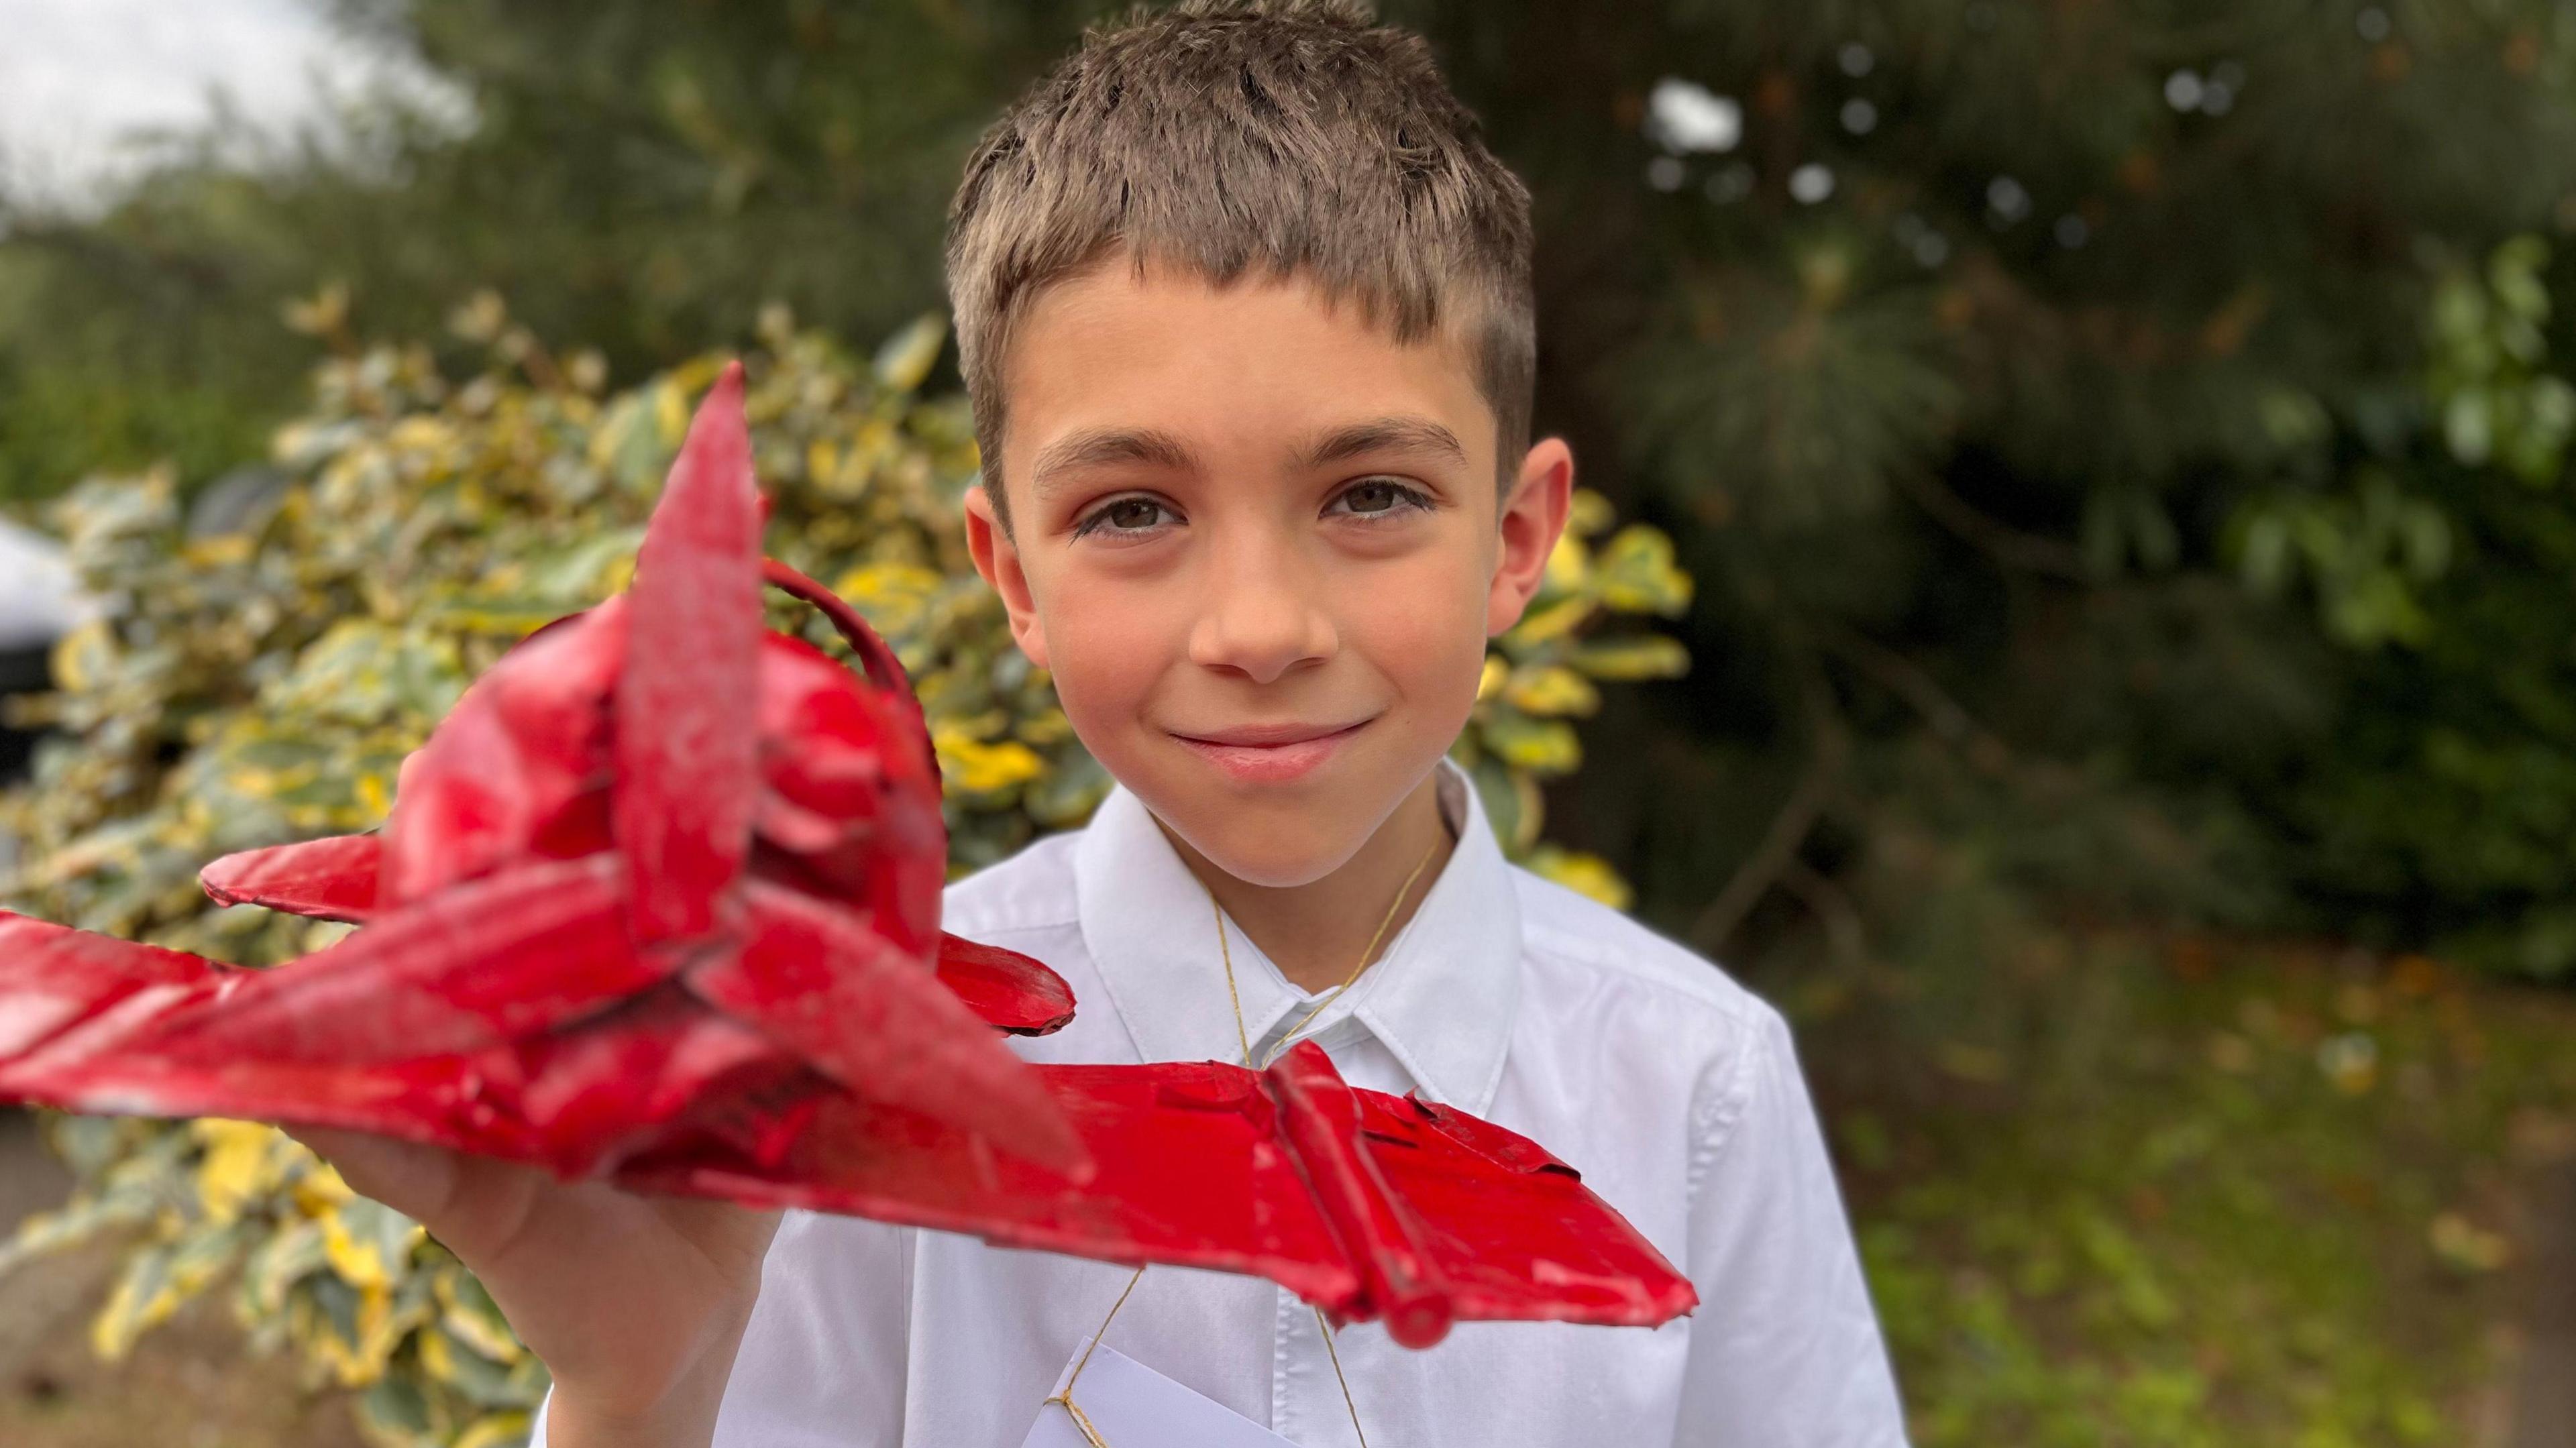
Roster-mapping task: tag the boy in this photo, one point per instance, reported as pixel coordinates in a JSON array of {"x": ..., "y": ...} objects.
[{"x": 1244, "y": 310}]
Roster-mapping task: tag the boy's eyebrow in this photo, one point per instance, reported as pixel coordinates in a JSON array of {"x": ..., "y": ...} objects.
[
  {"x": 1101, "y": 446},
  {"x": 1383, "y": 434},
  {"x": 1094, "y": 447}
]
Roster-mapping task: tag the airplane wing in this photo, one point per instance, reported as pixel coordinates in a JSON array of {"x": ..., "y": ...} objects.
[
  {"x": 334, "y": 878},
  {"x": 1207, "y": 1165},
  {"x": 1370, "y": 1206}
]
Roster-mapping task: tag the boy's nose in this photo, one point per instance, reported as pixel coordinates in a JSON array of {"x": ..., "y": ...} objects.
[{"x": 1263, "y": 615}]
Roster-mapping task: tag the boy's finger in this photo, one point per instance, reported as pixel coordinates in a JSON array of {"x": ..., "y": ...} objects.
[
  {"x": 415, "y": 1180},
  {"x": 476, "y": 1206}
]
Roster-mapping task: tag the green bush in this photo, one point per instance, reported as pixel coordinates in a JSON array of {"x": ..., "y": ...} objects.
[
  {"x": 263, "y": 684},
  {"x": 2439, "y": 808}
]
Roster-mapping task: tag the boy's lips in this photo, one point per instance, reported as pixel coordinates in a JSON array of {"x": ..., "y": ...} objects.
[{"x": 1270, "y": 753}]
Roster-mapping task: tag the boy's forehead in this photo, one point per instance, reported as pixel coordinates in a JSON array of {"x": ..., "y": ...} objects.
[{"x": 1262, "y": 361}]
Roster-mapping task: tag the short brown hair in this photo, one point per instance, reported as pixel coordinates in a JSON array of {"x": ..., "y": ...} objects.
[{"x": 1221, "y": 135}]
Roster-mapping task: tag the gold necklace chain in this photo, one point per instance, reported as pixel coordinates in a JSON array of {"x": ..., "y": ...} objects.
[
  {"x": 1235, "y": 998},
  {"x": 1064, "y": 1398}
]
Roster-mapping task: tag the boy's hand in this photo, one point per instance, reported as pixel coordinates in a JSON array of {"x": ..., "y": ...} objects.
[{"x": 636, "y": 1304}]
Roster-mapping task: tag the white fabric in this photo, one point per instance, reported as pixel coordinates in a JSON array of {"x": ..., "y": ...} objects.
[
  {"x": 1674, "y": 1091},
  {"x": 1133, "y": 1406},
  {"x": 40, "y": 600}
]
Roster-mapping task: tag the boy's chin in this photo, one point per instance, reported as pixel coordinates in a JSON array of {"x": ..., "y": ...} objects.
[{"x": 1277, "y": 849}]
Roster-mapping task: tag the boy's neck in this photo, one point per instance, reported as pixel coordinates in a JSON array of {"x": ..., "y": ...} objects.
[{"x": 1315, "y": 932}]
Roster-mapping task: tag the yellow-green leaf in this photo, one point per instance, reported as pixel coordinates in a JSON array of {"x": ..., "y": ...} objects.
[
  {"x": 368, "y": 1243},
  {"x": 1569, "y": 564},
  {"x": 971, "y": 766},
  {"x": 395, "y": 1413},
  {"x": 1544, "y": 625},
  {"x": 352, "y": 1331},
  {"x": 1512, "y": 803},
  {"x": 144, "y": 1296},
  {"x": 468, "y": 1312},
  {"x": 906, "y": 357},
  {"x": 1636, "y": 573},
  {"x": 1543, "y": 746},
  {"x": 1550, "y": 691},
  {"x": 496, "y": 1430},
  {"x": 451, "y": 1363},
  {"x": 1590, "y": 513},
  {"x": 286, "y": 1257},
  {"x": 1069, "y": 792},
  {"x": 1582, "y": 873},
  {"x": 1637, "y": 656},
  {"x": 892, "y": 596},
  {"x": 84, "y": 658},
  {"x": 239, "y": 1165},
  {"x": 156, "y": 1281}
]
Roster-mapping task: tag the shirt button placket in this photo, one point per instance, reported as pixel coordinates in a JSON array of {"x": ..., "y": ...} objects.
[
  {"x": 1306, "y": 1398},
  {"x": 1283, "y": 1342}
]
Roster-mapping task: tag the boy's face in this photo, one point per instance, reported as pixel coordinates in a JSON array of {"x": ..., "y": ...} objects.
[{"x": 1260, "y": 546}]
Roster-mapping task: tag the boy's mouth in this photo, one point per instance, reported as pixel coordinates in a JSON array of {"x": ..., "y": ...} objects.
[{"x": 1270, "y": 753}]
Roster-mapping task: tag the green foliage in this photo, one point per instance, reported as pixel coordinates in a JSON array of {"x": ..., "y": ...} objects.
[
  {"x": 2122, "y": 1184},
  {"x": 2438, "y": 807},
  {"x": 642, "y": 176},
  {"x": 2007, "y": 346},
  {"x": 2121, "y": 447},
  {"x": 62, "y": 421},
  {"x": 148, "y": 335},
  {"x": 261, "y": 685},
  {"x": 2498, "y": 402},
  {"x": 2368, "y": 552},
  {"x": 2183, "y": 1191},
  {"x": 2370, "y": 549},
  {"x": 2063, "y": 392}
]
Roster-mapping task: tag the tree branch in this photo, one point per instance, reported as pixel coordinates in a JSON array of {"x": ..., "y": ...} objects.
[
  {"x": 1845, "y": 934},
  {"x": 1908, "y": 681},
  {"x": 1778, "y": 850},
  {"x": 2007, "y": 545}
]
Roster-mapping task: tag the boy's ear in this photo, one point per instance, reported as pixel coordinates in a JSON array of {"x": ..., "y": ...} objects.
[
  {"x": 998, "y": 559},
  {"x": 1533, "y": 518}
]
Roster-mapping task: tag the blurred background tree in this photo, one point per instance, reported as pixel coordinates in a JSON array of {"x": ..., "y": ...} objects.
[
  {"x": 2094, "y": 347},
  {"x": 2121, "y": 446}
]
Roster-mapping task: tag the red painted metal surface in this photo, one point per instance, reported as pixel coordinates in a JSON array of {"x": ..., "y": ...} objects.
[
  {"x": 1206, "y": 1164},
  {"x": 619, "y": 925}
]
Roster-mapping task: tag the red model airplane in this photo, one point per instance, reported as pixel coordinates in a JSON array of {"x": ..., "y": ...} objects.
[{"x": 659, "y": 901}]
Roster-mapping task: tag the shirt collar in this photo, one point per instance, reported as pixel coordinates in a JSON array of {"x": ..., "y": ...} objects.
[{"x": 1442, "y": 999}]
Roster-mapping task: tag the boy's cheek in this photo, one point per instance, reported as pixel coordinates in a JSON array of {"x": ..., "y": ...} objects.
[
  {"x": 1104, "y": 680},
  {"x": 1433, "y": 640}
]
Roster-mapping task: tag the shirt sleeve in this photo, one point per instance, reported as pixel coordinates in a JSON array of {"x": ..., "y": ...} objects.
[
  {"x": 1785, "y": 1351},
  {"x": 823, "y": 1359}
]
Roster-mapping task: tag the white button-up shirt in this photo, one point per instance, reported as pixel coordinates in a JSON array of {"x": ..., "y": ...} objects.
[{"x": 1671, "y": 1089}]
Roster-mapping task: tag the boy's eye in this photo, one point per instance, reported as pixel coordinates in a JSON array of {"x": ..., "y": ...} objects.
[
  {"x": 1124, "y": 515},
  {"x": 1131, "y": 513},
  {"x": 1378, "y": 497}
]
